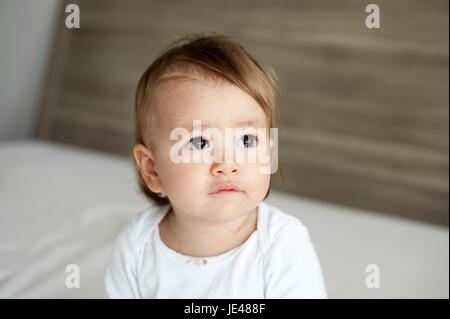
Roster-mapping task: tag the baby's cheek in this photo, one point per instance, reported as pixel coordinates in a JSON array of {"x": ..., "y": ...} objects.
[
  {"x": 182, "y": 177},
  {"x": 257, "y": 181}
]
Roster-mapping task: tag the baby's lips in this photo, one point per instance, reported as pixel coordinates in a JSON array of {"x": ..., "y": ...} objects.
[{"x": 226, "y": 186}]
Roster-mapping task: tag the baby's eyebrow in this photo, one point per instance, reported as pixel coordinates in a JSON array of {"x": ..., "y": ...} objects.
[
  {"x": 248, "y": 123},
  {"x": 245, "y": 123}
]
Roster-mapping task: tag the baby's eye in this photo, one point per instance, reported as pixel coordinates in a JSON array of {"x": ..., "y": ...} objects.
[
  {"x": 198, "y": 142},
  {"x": 248, "y": 140}
]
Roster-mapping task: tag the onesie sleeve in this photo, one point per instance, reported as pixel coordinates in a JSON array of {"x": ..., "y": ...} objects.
[
  {"x": 291, "y": 266},
  {"x": 120, "y": 277}
]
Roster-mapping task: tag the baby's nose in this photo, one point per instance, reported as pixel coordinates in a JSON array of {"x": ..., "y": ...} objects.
[{"x": 225, "y": 169}]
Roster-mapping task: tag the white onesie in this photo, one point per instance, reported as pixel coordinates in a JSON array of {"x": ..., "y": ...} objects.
[{"x": 278, "y": 260}]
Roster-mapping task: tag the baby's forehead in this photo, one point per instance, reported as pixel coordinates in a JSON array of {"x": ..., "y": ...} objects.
[
  {"x": 189, "y": 121},
  {"x": 182, "y": 102}
]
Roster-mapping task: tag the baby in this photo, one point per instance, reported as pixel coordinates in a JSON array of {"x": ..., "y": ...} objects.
[{"x": 208, "y": 232}]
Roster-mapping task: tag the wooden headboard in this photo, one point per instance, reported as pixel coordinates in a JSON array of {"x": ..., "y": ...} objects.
[{"x": 364, "y": 112}]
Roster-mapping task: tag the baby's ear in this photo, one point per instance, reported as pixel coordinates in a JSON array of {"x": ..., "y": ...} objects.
[{"x": 145, "y": 160}]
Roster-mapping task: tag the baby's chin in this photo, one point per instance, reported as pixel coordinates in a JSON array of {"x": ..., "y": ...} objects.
[{"x": 222, "y": 210}]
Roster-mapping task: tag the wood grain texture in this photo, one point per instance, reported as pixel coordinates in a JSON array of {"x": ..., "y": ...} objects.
[{"x": 364, "y": 112}]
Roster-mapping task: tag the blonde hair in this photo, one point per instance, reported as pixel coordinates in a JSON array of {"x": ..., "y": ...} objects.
[{"x": 211, "y": 56}]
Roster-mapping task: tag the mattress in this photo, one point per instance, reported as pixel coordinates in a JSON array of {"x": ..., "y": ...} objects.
[{"x": 63, "y": 205}]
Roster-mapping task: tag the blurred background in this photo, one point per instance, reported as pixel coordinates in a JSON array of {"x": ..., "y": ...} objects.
[{"x": 363, "y": 137}]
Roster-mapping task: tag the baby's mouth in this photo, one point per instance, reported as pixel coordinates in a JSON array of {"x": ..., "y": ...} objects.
[{"x": 226, "y": 189}]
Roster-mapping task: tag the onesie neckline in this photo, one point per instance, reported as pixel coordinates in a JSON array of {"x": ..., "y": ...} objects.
[{"x": 201, "y": 261}]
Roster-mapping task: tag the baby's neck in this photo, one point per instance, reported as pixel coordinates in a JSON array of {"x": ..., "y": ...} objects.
[{"x": 202, "y": 242}]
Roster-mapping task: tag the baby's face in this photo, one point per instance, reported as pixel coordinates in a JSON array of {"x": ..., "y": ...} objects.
[{"x": 190, "y": 185}]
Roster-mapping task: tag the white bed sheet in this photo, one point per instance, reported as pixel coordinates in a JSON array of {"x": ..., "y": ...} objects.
[{"x": 62, "y": 205}]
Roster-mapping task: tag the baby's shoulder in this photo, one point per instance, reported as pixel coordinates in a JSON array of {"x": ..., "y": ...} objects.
[
  {"x": 279, "y": 226},
  {"x": 141, "y": 224}
]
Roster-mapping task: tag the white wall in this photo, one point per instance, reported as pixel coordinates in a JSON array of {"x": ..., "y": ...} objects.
[{"x": 27, "y": 29}]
